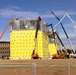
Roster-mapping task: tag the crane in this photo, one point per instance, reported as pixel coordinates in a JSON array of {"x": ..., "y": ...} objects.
[
  {"x": 73, "y": 50},
  {"x": 69, "y": 19}
]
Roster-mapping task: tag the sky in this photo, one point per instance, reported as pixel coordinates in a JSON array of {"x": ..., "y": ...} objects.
[{"x": 31, "y": 9}]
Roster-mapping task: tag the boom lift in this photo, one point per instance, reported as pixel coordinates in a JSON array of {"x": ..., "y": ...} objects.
[
  {"x": 65, "y": 54},
  {"x": 35, "y": 55},
  {"x": 61, "y": 54},
  {"x": 7, "y": 26},
  {"x": 52, "y": 31}
]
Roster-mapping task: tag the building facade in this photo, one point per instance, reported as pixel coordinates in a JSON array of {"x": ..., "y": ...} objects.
[
  {"x": 53, "y": 43},
  {"x": 4, "y": 49},
  {"x": 22, "y": 38}
]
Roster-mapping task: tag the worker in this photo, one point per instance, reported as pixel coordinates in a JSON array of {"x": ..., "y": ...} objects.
[
  {"x": 38, "y": 21},
  {"x": 47, "y": 24},
  {"x": 39, "y": 18}
]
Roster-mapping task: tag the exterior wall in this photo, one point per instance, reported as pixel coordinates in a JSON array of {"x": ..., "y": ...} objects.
[
  {"x": 53, "y": 44},
  {"x": 4, "y": 49},
  {"x": 22, "y": 44},
  {"x": 42, "y": 45},
  {"x": 53, "y": 49}
]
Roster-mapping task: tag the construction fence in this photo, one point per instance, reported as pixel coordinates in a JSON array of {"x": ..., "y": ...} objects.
[{"x": 38, "y": 69}]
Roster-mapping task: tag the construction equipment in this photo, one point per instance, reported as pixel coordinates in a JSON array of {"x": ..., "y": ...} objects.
[
  {"x": 69, "y": 19},
  {"x": 35, "y": 55},
  {"x": 7, "y": 26},
  {"x": 73, "y": 50},
  {"x": 52, "y": 31},
  {"x": 65, "y": 54},
  {"x": 61, "y": 54}
]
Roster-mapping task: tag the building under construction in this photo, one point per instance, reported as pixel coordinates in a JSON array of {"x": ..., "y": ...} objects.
[{"x": 22, "y": 37}]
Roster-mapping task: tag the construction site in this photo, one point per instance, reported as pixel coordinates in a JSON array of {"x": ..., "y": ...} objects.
[{"x": 35, "y": 49}]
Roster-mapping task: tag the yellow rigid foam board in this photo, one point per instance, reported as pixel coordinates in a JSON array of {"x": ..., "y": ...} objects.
[
  {"x": 22, "y": 44},
  {"x": 52, "y": 49}
]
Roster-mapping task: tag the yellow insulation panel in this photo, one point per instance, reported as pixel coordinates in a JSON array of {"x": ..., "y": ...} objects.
[
  {"x": 52, "y": 49},
  {"x": 22, "y": 44}
]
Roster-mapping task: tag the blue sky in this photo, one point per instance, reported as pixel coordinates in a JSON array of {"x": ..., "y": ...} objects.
[{"x": 34, "y": 8}]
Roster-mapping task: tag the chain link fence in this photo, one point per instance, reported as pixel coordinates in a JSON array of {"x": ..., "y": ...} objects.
[{"x": 38, "y": 69}]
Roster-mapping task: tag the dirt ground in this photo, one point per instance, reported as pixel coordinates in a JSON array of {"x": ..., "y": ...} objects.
[{"x": 38, "y": 67}]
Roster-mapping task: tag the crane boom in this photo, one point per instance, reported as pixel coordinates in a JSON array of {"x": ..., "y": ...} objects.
[{"x": 65, "y": 32}]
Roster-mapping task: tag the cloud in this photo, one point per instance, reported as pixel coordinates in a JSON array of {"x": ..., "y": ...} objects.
[
  {"x": 62, "y": 12},
  {"x": 12, "y": 7},
  {"x": 68, "y": 25},
  {"x": 69, "y": 34},
  {"x": 9, "y": 13},
  {"x": 67, "y": 44},
  {"x": 14, "y": 11},
  {"x": 47, "y": 15},
  {"x": 58, "y": 13}
]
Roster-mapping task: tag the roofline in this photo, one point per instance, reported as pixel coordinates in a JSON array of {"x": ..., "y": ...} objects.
[{"x": 4, "y": 41}]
